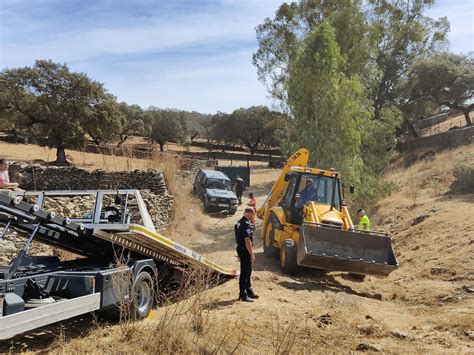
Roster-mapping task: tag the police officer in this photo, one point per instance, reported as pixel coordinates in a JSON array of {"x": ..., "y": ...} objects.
[{"x": 244, "y": 239}]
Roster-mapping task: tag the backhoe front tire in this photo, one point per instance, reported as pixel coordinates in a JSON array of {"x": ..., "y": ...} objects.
[
  {"x": 288, "y": 261},
  {"x": 269, "y": 248}
]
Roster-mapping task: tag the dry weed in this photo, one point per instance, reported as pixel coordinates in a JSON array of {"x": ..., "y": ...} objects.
[{"x": 283, "y": 337}]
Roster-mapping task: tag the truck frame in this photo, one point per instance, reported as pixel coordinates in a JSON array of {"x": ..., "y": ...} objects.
[{"x": 115, "y": 239}]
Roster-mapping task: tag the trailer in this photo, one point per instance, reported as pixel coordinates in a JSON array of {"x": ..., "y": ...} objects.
[{"x": 114, "y": 236}]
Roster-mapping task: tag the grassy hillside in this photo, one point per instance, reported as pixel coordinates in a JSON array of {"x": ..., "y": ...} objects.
[{"x": 427, "y": 305}]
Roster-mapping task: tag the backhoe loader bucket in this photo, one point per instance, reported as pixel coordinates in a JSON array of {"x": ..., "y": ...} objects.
[{"x": 367, "y": 253}]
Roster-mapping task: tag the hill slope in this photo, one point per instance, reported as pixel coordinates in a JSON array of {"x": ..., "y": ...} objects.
[{"x": 426, "y": 305}]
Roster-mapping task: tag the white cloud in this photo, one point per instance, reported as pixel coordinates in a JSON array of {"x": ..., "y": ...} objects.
[{"x": 197, "y": 57}]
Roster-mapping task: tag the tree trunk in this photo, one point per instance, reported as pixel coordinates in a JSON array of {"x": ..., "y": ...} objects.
[
  {"x": 162, "y": 146},
  {"x": 61, "y": 156},
  {"x": 412, "y": 130},
  {"x": 252, "y": 150},
  {"x": 467, "y": 118}
]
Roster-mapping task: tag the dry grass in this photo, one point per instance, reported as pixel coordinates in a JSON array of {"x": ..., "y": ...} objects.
[
  {"x": 184, "y": 327},
  {"x": 430, "y": 308}
]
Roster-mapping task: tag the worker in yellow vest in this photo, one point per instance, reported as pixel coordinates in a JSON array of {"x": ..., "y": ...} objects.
[{"x": 364, "y": 221}]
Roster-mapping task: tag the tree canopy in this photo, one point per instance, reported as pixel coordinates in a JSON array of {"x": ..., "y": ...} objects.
[
  {"x": 444, "y": 79},
  {"x": 337, "y": 67},
  {"x": 60, "y": 107},
  {"x": 328, "y": 107},
  {"x": 167, "y": 126}
]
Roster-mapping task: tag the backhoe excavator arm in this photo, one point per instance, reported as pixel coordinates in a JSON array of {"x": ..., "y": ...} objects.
[{"x": 300, "y": 158}]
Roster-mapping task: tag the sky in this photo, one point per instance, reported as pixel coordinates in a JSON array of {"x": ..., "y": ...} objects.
[{"x": 185, "y": 54}]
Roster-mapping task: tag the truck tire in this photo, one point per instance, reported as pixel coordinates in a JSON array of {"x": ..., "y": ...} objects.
[
  {"x": 269, "y": 248},
  {"x": 143, "y": 296},
  {"x": 232, "y": 211},
  {"x": 288, "y": 257}
]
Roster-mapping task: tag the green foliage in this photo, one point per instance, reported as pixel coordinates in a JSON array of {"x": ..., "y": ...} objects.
[
  {"x": 327, "y": 107},
  {"x": 454, "y": 84},
  {"x": 167, "y": 126},
  {"x": 134, "y": 122},
  {"x": 379, "y": 41},
  {"x": 399, "y": 35},
  {"x": 253, "y": 127},
  {"x": 280, "y": 37},
  {"x": 337, "y": 67},
  {"x": 59, "y": 106}
]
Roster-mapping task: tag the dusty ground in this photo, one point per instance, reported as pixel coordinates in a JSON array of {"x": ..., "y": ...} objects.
[{"x": 426, "y": 305}]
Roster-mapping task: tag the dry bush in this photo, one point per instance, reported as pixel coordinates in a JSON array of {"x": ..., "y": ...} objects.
[
  {"x": 283, "y": 337},
  {"x": 458, "y": 323},
  {"x": 464, "y": 174},
  {"x": 183, "y": 326}
]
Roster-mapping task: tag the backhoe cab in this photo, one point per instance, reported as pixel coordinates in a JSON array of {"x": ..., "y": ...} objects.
[{"x": 306, "y": 223}]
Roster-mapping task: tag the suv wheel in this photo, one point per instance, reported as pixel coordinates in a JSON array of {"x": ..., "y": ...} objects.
[{"x": 206, "y": 204}]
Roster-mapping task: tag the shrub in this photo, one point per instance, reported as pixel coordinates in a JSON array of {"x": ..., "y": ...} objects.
[{"x": 464, "y": 175}]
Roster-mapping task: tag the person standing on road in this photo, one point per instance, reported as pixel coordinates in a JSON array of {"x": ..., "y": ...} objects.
[
  {"x": 364, "y": 221},
  {"x": 239, "y": 188},
  {"x": 244, "y": 240},
  {"x": 253, "y": 204},
  {"x": 5, "y": 177}
]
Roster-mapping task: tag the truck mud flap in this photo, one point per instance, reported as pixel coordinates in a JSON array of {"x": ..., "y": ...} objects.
[{"x": 337, "y": 250}]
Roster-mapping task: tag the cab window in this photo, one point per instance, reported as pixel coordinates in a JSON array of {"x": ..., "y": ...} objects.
[{"x": 318, "y": 189}]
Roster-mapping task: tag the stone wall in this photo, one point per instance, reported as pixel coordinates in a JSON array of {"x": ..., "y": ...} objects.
[
  {"x": 37, "y": 177},
  {"x": 150, "y": 183},
  {"x": 441, "y": 141}
]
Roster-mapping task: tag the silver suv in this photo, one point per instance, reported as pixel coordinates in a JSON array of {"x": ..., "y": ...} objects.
[{"x": 214, "y": 188}]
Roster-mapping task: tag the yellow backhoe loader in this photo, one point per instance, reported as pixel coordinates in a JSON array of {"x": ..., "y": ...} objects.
[{"x": 306, "y": 223}]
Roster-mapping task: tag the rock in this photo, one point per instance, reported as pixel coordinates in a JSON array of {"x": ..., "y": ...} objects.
[
  {"x": 468, "y": 289},
  {"x": 470, "y": 334},
  {"x": 7, "y": 247},
  {"x": 367, "y": 347},
  {"x": 419, "y": 219},
  {"x": 437, "y": 270},
  {"x": 398, "y": 334},
  {"x": 367, "y": 329},
  {"x": 450, "y": 299},
  {"x": 325, "y": 319}
]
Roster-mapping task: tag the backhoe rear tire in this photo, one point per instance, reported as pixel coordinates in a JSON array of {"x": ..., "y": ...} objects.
[
  {"x": 269, "y": 248},
  {"x": 288, "y": 261}
]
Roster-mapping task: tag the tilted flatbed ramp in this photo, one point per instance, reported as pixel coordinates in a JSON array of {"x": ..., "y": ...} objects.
[{"x": 95, "y": 235}]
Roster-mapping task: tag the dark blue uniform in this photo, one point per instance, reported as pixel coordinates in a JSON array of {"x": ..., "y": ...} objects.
[{"x": 242, "y": 230}]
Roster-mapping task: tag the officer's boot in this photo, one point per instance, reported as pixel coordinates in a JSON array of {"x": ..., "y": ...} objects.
[
  {"x": 252, "y": 294},
  {"x": 245, "y": 298}
]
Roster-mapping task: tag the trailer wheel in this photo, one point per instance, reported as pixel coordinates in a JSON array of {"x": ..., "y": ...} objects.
[
  {"x": 288, "y": 257},
  {"x": 269, "y": 248},
  {"x": 143, "y": 296}
]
